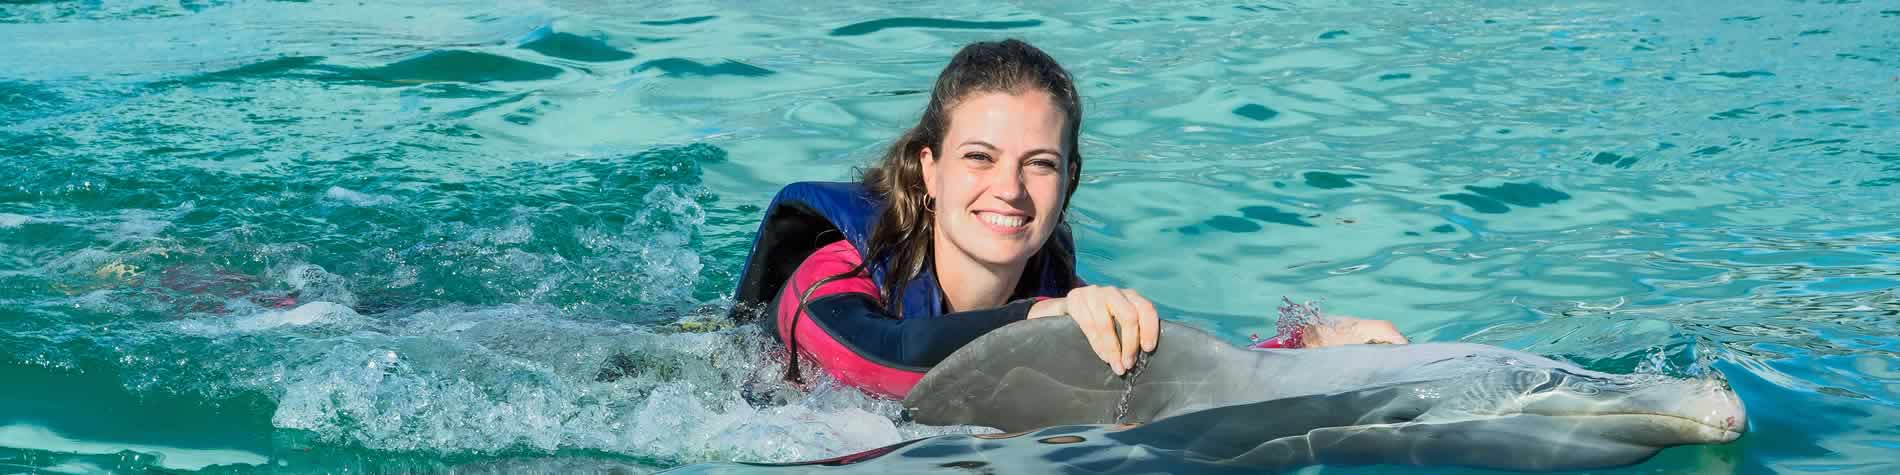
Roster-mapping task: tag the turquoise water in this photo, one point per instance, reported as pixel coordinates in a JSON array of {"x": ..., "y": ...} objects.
[{"x": 430, "y": 236}]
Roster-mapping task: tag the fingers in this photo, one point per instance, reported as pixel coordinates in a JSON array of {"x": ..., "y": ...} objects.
[
  {"x": 1383, "y": 331},
  {"x": 1126, "y": 324},
  {"x": 1096, "y": 325},
  {"x": 1119, "y": 323},
  {"x": 1149, "y": 321}
]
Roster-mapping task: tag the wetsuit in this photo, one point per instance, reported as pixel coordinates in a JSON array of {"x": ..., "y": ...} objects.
[{"x": 813, "y": 231}]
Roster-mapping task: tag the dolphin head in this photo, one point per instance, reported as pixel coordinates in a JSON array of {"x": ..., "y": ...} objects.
[
  {"x": 1651, "y": 410},
  {"x": 1489, "y": 382}
]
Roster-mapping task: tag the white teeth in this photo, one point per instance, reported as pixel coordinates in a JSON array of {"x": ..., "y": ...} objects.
[{"x": 1005, "y": 221}]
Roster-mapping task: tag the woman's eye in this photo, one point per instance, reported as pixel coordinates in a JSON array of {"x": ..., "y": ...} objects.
[
  {"x": 978, "y": 156},
  {"x": 1043, "y": 163}
]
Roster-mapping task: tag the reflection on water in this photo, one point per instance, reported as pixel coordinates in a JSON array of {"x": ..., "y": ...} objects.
[{"x": 238, "y": 211}]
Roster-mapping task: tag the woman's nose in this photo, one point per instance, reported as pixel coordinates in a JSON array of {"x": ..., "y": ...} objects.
[{"x": 1009, "y": 186}]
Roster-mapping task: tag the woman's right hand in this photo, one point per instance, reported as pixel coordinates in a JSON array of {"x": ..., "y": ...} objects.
[
  {"x": 1100, "y": 311},
  {"x": 1339, "y": 330}
]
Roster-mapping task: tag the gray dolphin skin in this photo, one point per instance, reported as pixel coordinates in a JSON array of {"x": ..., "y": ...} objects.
[{"x": 1204, "y": 401}]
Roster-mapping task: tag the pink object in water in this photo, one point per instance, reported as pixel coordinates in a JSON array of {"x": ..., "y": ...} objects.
[{"x": 1294, "y": 338}]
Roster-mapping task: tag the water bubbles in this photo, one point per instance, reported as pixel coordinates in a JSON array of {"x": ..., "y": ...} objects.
[
  {"x": 312, "y": 283},
  {"x": 669, "y": 265},
  {"x": 1295, "y": 317}
]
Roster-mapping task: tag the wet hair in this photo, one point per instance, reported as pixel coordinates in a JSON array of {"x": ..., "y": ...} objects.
[{"x": 902, "y": 234}]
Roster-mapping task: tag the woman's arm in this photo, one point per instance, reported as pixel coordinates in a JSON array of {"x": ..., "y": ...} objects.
[
  {"x": 859, "y": 321},
  {"x": 1104, "y": 312},
  {"x": 845, "y": 303},
  {"x": 1338, "y": 330}
]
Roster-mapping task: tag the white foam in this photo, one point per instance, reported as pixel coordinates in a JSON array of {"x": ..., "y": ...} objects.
[
  {"x": 313, "y": 283},
  {"x": 325, "y": 314},
  {"x": 31, "y": 437},
  {"x": 10, "y": 220},
  {"x": 668, "y": 265},
  {"x": 357, "y": 198},
  {"x": 305, "y": 314},
  {"x": 488, "y": 380}
]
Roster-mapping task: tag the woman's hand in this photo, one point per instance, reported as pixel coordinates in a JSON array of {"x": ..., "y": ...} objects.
[
  {"x": 1101, "y": 311},
  {"x": 1339, "y": 330}
]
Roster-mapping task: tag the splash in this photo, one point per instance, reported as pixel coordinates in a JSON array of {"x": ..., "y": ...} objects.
[
  {"x": 1291, "y": 325},
  {"x": 311, "y": 283},
  {"x": 1295, "y": 317},
  {"x": 516, "y": 379},
  {"x": 511, "y": 379},
  {"x": 670, "y": 265},
  {"x": 314, "y": 313}
]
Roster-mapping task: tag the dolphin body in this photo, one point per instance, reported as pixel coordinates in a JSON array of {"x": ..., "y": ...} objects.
[{"x": 1203, "y": 402}]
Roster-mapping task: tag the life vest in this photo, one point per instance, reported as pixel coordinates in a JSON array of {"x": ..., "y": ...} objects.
[{"x": 806, "y": 216}]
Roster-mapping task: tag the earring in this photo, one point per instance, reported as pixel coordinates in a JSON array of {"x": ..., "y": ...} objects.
[{"x": 930, "y": 204}]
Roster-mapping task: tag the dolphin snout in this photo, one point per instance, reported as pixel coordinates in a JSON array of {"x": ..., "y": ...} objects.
[
  {"x": 1693, "y": 411},
  {"x": 1652, "y": 411},
  {"x": 1717, "y": 407}
]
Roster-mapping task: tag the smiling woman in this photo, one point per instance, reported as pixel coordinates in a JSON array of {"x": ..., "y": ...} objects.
[{"x": 958, "y": 230}]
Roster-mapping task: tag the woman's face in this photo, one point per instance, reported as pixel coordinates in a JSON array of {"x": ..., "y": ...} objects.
[{"x": 1000, "y": 176}]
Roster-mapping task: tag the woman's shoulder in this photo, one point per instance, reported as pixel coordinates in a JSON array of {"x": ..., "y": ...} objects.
[
  {"x": 840, "y": 252},
  {"x": 831, "y": 260}
]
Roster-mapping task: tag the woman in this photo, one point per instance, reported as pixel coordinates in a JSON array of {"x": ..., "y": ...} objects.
[{"x": 959, "y": 229}]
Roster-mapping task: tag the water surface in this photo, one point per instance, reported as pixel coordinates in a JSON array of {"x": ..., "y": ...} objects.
[{"x": 428, "y": 236}]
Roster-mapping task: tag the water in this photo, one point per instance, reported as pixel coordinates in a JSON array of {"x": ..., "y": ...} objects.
[{"x": 319, "y": 237}]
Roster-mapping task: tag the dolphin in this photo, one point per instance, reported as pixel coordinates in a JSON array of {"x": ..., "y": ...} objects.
[{"x": 1202, "y": 401}]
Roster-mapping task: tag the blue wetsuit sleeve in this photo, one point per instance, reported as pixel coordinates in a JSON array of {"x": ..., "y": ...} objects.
[{"x": 857, "y": 320}]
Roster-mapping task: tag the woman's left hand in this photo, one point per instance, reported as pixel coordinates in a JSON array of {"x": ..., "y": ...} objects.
[
  {"x": 1117, "y": 322},
  {"x": 1337, "y": 330}
]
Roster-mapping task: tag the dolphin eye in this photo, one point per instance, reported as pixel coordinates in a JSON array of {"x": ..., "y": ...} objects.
[
  {"x": 1549, "y": 384},
  {"x": 1581, "y": 384}
]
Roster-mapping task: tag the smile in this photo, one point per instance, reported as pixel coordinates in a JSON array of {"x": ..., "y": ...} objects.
[{"x": 1003, "y": 222}]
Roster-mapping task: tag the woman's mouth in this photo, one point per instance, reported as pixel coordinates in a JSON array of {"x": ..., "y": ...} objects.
[{"x": 1004, "y": 223}]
